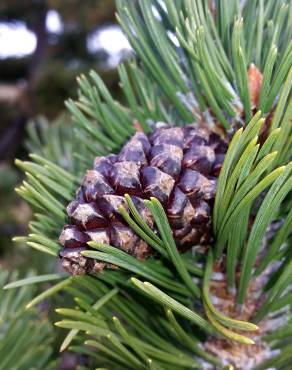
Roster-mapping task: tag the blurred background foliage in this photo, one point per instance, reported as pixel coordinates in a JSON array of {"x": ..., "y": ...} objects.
[{"x": 44, "y": 45}]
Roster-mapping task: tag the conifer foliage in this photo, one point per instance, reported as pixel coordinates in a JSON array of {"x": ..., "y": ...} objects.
[
  {"x": 222, "y": 66},
  {"x": 26, "y": 335}
]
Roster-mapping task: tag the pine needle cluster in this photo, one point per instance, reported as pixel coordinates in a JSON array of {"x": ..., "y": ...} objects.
[{"x": 225, "y": 65}]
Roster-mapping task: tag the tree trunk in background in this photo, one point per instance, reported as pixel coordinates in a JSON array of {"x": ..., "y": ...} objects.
[{"x": 13, "y": 135}]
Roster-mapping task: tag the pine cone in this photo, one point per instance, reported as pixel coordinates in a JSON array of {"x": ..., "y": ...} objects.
[{"x": 177, "y": 165}]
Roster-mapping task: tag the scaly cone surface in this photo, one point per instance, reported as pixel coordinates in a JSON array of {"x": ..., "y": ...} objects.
[{"x": 177, "y": 165}]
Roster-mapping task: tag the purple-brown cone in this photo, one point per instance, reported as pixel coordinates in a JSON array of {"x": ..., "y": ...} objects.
[{"x": 177, "y": 165}]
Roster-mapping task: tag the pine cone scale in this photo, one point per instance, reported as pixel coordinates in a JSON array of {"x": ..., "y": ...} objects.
[{"x": 177, "y": 165}]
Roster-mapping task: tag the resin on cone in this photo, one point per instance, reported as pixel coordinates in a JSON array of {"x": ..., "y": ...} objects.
[{"x": 177, "y": 165}]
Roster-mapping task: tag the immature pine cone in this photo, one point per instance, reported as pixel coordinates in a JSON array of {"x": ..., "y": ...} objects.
[{"x": 177, "y": 165}]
